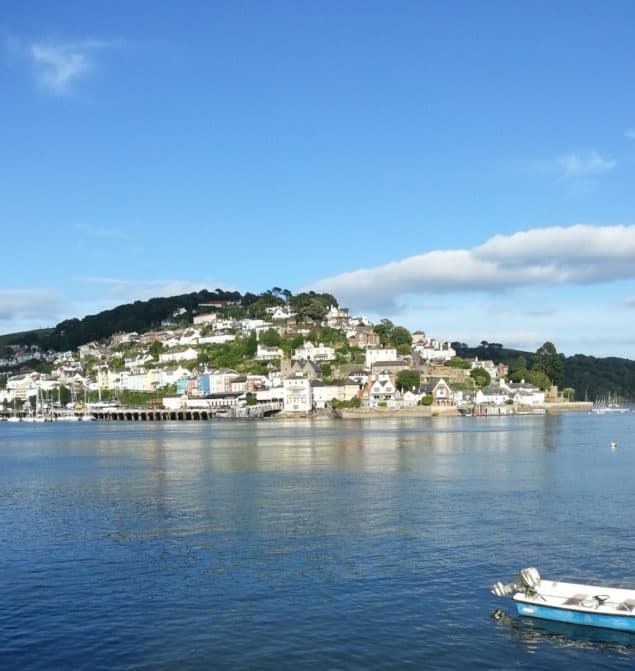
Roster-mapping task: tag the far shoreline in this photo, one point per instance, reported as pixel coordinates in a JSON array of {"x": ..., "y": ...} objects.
[{"x": 438, "y": 411}]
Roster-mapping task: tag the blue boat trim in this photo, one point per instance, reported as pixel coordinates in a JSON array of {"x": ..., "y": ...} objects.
[{"x": 624, "y": 622}]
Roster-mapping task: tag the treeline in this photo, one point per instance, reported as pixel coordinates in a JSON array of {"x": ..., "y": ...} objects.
[
  {"x": 147, "y": 315},
  {"x": 589, "y": 376}
]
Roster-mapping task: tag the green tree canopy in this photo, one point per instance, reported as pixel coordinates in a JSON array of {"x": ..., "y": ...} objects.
[
  {"x": 407, "y": 380},
  {"x": 251, "y": 345},
  {"x": 550, "y": 363},
  {"x": 270, "y": 338},
  {"x": 401, "y": 336},
  {"x": 480, "y": 376},
  {"x": 458, "y": 362}
]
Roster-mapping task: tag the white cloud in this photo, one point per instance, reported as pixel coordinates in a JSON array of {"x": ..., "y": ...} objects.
[
  {"x": 573, "y": 166},
  {"x": 556, "y": 256},
  {"x": 29, "y": 308},
  {"x": 58, "y": 65},
  {"x": 630, "y": 133}
]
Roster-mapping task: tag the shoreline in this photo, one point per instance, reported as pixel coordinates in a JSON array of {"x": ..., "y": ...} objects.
[{"x": 436, "y": 411}]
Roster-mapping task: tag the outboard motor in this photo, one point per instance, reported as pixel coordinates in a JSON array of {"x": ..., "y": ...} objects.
[
  {"x": 527, "y": 580},
  {"x": 502, "y": 589}
]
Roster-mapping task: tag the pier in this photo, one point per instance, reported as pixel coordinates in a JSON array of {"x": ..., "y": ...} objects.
[
  {"x": 186, "y": 414},
  {"x": 123, "y": 414}
]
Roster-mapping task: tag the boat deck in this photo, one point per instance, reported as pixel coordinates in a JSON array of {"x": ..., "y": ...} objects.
[{"x": 583, "y": 598}]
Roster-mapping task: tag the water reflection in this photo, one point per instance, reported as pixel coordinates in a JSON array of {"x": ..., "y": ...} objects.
[{"x": 533, "y": 633}]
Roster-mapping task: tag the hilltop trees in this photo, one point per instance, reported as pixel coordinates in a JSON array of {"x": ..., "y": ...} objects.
[{"x": 312, "y": 305}]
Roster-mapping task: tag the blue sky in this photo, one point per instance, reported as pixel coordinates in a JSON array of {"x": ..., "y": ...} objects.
[{"x": 461, "y": 168}]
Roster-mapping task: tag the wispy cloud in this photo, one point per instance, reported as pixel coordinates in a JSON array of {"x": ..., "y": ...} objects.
[
  {"x": 575, "y": 165},
  {"x": 556, "y": 256},
  {"x": 630, "y": 133},
  {"x": 103, "y": 232},
  {"x": 59, "y": 65}
]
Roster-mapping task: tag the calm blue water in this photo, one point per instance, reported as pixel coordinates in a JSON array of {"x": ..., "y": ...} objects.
[{"x": 299, "y": 545}]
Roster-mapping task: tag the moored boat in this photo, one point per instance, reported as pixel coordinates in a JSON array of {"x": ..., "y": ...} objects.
[
  {"x": 609, "y": 404},
  {"x": 591, "y": 605}
]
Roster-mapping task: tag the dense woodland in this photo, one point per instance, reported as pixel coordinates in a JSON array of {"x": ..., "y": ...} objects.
[
  {"x": 584, "y": 377},
  {"x": 589, "y": 376}
]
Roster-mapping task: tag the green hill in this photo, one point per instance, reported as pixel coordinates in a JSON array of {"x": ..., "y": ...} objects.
[{"x": 589, "y": 376}]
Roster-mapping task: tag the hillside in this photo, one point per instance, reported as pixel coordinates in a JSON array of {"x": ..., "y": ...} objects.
[{"x": 589, "y": 376}]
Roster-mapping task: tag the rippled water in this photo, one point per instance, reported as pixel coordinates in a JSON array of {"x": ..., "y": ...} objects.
[{"x": 308, "y": 545}]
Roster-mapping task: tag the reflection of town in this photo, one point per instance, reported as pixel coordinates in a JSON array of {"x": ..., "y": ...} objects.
[{"x": 192, "y": 453}]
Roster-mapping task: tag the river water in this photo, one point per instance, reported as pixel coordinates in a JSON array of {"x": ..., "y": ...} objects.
[{"x": 327, "y": 544}]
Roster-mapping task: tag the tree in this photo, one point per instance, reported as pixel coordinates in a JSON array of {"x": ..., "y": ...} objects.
[
  {"x": 251, "y": 345},
  {"x": 569, "y": 393},
  {"x": 383, "y": 330},
  {"x": 407, "y": 380},
  {"x": 270, "y": 338},
  {"x": 155, "y": 349},
  {"x": 400, "y": 336},
  {"x": 549, "y": 362},
  {"x": 480, "y": 376},
  {"x": 458, "y": 362},
  {"x": 539, "y": 379},
  {"x": 327, "y": 371},
  {"x": 520, "y": 363}
]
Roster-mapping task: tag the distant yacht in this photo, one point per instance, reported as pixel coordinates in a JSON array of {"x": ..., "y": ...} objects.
[{"x": 609, "y": 404}]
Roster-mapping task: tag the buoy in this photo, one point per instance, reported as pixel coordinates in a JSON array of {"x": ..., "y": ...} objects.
[{"x": 613, "y": 446}]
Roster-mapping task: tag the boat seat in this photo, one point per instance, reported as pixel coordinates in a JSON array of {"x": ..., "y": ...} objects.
[
  {"x": 627, "y": 604},
  {"x": 576, "y": 599}
]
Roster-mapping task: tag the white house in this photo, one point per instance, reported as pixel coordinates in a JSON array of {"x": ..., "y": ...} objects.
[
  {"x": 264, "y": 353},
  {"x": 311, "y": 352},
  {"x": 381, "y": 390},
  {"x": 174, "y": 401},
  {"x": 204, "y": 318},
  {"x": 340, "y": 390},
  {"x": 190, "y": 337},
  {"x": 492, "y": 395},
  {"x": 218, "y": 339},
  {"x": 249, "y": 325},
  {"x": 410, "y": 398},
  {"x": 524, "y": 393},
  {"x": 297, "y": 394},
  {"x": 336, "y": 317},
  {"x": 375, "y": 354},
  {"x": 185, "y": 355},
  {"x": 431, "y": 350},
  {"x": 486, "y": 365},
  {"x": 280, "y": 312},
  {"x": 171, "y": 375}
]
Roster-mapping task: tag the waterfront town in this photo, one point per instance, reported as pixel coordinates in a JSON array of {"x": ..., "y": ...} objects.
[{"x": 353, "y": 373}]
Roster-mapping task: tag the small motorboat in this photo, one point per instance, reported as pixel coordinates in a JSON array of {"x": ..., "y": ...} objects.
[{"x": 592, "y": 605}]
